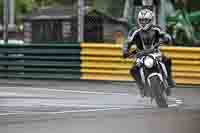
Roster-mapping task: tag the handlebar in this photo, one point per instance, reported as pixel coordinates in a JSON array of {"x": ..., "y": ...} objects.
[
  {"x": 157, "y": 45},
  {"x": 144, "y": 52}
]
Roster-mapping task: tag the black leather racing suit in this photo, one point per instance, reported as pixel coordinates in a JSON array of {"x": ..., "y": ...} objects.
[{"x": 146, "y": 40}]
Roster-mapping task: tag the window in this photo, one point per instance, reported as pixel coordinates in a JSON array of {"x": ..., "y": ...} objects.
[{"x": 47, "y": 31}]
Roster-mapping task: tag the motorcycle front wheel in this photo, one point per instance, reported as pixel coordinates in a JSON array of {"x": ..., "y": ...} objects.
[{"x": 157, "y": 88}]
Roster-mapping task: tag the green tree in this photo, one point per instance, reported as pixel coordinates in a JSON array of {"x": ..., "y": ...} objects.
[
  {"x": 1, "y": 11},
  {"x": 110, "y": 7},
  {"x": 45, "y": 3},
  {"x": 23, "y": 6}
]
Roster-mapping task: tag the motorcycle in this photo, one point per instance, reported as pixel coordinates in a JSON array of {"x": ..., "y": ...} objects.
[{"x": 153, "y": 74}]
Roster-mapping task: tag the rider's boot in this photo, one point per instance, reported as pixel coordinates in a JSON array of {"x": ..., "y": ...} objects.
[
  {"x": 171, "y": 84},
  {"x": 141, "y": 89},
  {"x": 136, "y": 75}
]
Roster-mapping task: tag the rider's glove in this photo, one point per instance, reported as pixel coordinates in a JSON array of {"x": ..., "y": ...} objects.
[
  {"x": 125, "y": 55},
  {"x": 155, "y": 50}
]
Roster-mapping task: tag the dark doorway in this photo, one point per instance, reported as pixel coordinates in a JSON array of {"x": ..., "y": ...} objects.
[{"x": 93, "y": 29}]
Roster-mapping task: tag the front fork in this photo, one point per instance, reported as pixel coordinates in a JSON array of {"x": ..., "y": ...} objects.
[{"x": 161, "y": 73}]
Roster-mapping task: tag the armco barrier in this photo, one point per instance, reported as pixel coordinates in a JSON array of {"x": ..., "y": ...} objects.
[
  {"x": 50, "y": 61},
  {"x": 105, "y": 62},
  {"x": 90, "y": 61},
  {"x": 186, "y": 64}
]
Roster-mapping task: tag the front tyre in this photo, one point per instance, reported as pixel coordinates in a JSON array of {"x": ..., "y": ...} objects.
[{"x": 157, "y": 87}]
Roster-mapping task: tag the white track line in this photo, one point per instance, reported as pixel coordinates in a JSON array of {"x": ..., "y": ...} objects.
[
  {"x": 67, "y": 91},
  {"x": 73, "y": 91},
  {"x": 62, "y": 112},
  {"x": 73, "y": 111},
  {"x": 173, "y": 105}
]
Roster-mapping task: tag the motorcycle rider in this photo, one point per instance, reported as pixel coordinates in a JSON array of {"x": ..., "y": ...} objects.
[{"x": 145, "y": 38}]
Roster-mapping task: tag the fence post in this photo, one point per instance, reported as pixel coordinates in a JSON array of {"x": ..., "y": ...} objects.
[
  {"x": 81, "y": 15},
  {"x": 5, "y": 18}
]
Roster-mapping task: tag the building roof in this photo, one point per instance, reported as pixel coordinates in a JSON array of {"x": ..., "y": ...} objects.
[
  {"x": 66, "y": 13},
  {"x": 51, "y": 13}
]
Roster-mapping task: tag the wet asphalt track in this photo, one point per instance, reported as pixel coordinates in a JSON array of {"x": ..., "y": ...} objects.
[{"x": 93, "y": 107}]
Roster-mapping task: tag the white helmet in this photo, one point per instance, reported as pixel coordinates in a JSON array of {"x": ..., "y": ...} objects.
[{"x": 145, "y": 19}]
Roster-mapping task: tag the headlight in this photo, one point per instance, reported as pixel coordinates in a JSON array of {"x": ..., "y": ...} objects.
[{"x": 148, "y": 62}]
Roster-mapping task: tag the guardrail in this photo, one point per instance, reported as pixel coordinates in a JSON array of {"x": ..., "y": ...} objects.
[
  {"x": 88, "y": 62},
  {"x": 186, "y": 64},
  {"x": 40, "y": 61},
  {"x": 105, "y": 62}
]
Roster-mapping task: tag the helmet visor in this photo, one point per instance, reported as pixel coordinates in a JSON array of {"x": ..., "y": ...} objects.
[{"x": 144, "y": 21}]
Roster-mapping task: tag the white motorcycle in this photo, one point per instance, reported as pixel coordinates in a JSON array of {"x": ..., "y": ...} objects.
[{"x": 154, "y": 75}]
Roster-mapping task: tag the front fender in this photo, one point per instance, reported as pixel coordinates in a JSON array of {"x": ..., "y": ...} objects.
[{"x": 152, "y": 75}]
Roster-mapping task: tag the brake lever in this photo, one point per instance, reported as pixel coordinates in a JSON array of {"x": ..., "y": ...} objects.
[
  {"x": 157, "y": 45},
  {"x": 131, "y": 56}
]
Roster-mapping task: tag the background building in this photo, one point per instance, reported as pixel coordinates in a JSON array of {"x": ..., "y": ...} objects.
[{"x": 59, "y": 25}]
